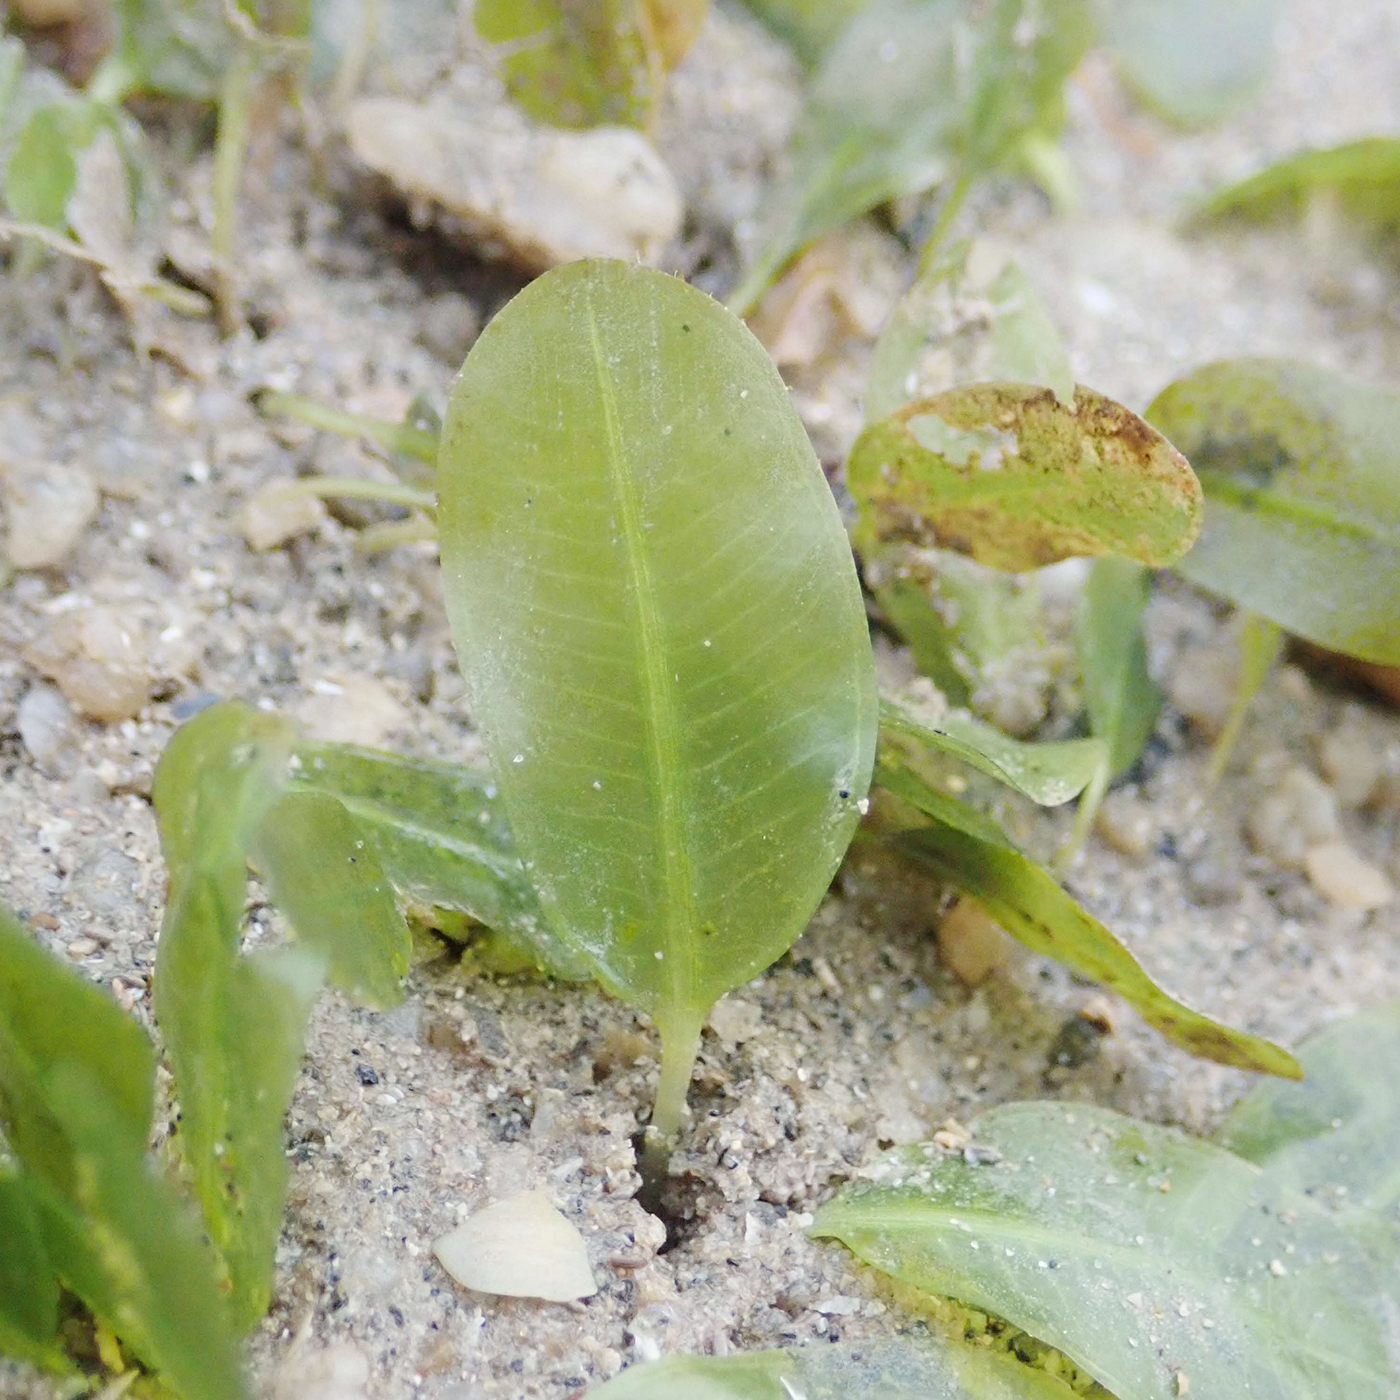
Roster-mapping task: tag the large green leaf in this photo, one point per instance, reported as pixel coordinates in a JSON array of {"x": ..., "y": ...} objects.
[
  {"x": 1159, "y": 1263},
  {"x": 903, "y": 1369},
  {"x": 913, "y": 91},
  {"x": 1336, "y": 1135},
  {"x": 443, "y": 841},
  {"x": 28, "y": 1284},
  {"x": 1015, "y": 478},
  {"x": 232, "y": 1027},
  {"x": 327, "y": 878},
  {"x": 125, "y": 1243},
  {"x": 1301, "y": 469},
  {"x": 658, "y": 619},
  {"x": 972, "y": 317},
  {"x": 1362, "y": 176},
  {"x": 971, "y": 852},
  {"x": 51, "y": 1016},
  {"x": 1049, "y": 773},
  {"x": 1192, "y": 60}
]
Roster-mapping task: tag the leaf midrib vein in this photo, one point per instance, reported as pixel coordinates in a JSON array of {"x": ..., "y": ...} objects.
[{"x": 660, "y": 710}]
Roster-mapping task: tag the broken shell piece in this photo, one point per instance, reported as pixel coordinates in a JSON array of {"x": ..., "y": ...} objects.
[
  {"x": 521, "y": 1247},
  {"x": 1343, "y": 878}
]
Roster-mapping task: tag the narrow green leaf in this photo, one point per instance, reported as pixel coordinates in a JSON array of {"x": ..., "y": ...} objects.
[
  {"x": 658, "y": 618},
  {"x": 902, "y": 1369},
  {"x": 51, "y": 1016},
  {"x": 325, "y": 875},
  {"x": 1194, "y": 61},
  {"x": 973, "y": 317},
  {"x": 1363, "y": 177},
  {"x": 124, "y": 1242},
  {"x": 970, "y": 852},
  {"x": 28, "y": 1284},
  {"x": 1015, "y": 478},
  {"x": 1301, "y": 470},
  {"x": 232, "y": 1027},
  {"x": 910, "y": 92},
  {"x": 1335, "y": 1136},
  {"x": 572, "y": 63},
  {"x": 1049, "y": 773},
  {"x": 43, "y": 169},
  {"x": 1158, "y": 1263},
  {"x": 442, "y": 839},
  {"x": 1122, "y": 701}
]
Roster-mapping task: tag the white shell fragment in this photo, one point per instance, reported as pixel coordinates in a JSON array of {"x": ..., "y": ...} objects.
[{"x": 521, "y": 1247}]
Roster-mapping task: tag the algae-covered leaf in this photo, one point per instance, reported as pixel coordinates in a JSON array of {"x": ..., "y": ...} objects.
[
  {"x": 28, "y": 1284},
  {"x": 232, "y": 1027},
  {"x": 969, "y": 851},
  {"x": 910, "y": 92},
  {"x": 1363, "y": 177},
  {"x": 1122, "y": 701},
  {"x": 971, "y": 317},
  {"x": 579, "y": 63},
  {"x": 899, "y": 1369},
  {"x": 1336, "y": 1135},
  {"x": 442, "y": 839},
  {"x": 128, "y": 1246},
  {"x": 1015, "y": 478},
  {"x": 1160, "y": 1264},
  {"x": 1301, "y": 470},
  {"x": 658, "y": 618},
  {"x": 51, "y": 1016},
  {"x": 1194, "y": 61},
  {"x": 1047, "y": 773},
  {"x": 42, "y": 170},
  {"x": 326, "y": 876}
]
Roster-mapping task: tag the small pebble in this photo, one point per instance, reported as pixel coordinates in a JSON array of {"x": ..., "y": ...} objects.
[
  {"x": 45, "y": 724},
  {"x": 272, "y": 516},
  {"x": 734, "y": 1020},
  {"x": 354, "y": 710},
  {"x": 971, "y": 944},
  {"x": 1297, "y": 813},
  {"x": 1352, "y": 759},
  {"x": 97, "y": 657},
  {"x": 1202, "y": 686},
  {"x": 48, "y": 505},
  {"x": 520, "y": 1247},
  {"x": 1124, "y": 822},
  {"x": 448, "y": 325},
  {"x": 1343, "y": 878},
  {"x": 1211, "y": 882}
]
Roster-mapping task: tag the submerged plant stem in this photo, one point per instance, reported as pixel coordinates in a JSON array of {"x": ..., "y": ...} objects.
[
  {"x": 402, "y": 439},
  {"x": 230, "y": 149},
  {"x": 679, "y": 1046},
  {"x": 1260, "y": 640},
  {"x": 951, "y": 206}
]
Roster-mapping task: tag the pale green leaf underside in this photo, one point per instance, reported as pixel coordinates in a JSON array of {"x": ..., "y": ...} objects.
[
  {"x": 1192, "y": 60},
  {"x": 657, "y": 615},
  {"x": 970, "y": 852},
  {"x": 1227, "y": 1279},
  {"x": 442, "y": 839},
  {"x": 1047, "y": 773},
  {"x": 1008, "y": 474},
  {"x": 1335, "y": 1135},
  {"x": 1301, "y": 469},
  {"x": 899, "y": 1369}
]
